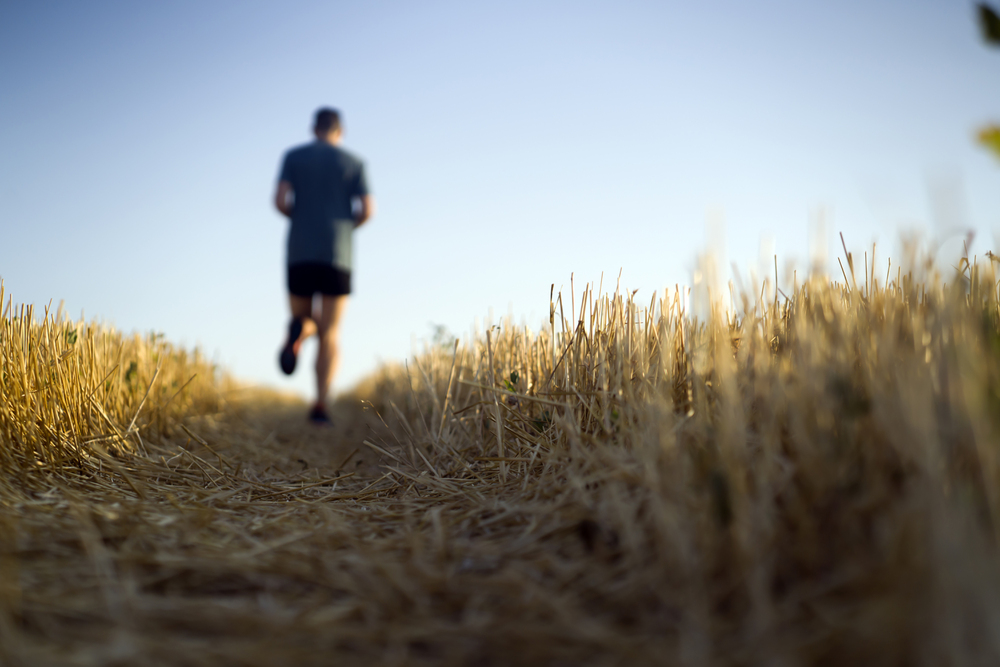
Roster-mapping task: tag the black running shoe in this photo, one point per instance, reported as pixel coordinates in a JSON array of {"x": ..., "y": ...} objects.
[
  {"x": 318, "y": 416},
  {"x": 290, "y": 353}
]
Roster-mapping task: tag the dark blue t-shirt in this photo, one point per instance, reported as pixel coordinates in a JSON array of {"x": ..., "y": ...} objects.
[{"x": 325, "y": 180}]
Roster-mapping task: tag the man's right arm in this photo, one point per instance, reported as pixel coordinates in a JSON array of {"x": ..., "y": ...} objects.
[
  {"x": 283, "y": 198},
  {"x": 365, "y": 210}
]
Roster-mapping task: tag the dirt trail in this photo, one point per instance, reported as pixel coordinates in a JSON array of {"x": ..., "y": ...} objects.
[
  {"x": 258, "y": 539},
  {"x": 271, "y": 437}
]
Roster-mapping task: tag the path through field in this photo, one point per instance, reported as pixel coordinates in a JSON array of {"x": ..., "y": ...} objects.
[
  {"x": 274, "y": 542},
  {"x": 814, "y": 483}
]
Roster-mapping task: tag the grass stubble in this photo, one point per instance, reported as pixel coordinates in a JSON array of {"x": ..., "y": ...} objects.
[{"x": 814, "y": 481}]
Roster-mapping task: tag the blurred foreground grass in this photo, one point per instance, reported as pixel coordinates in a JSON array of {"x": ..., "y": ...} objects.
[{"x": 804, "y": 480}]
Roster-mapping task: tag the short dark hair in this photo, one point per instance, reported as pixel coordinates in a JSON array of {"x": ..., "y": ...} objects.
[{"x": 327, "y": 120}]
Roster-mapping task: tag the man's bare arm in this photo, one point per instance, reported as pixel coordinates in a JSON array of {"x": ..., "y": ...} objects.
[
  {"x": 365, "y": 211},
  {"x": 282, "y": 198}
]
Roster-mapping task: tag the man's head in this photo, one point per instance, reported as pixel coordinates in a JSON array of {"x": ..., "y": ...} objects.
[{"x": 327, "y": 125}]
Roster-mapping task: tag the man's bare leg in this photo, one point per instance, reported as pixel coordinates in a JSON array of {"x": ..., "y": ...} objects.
[
  {"x": 302, "y": 308},
  {"x": 328, "y": 358}
]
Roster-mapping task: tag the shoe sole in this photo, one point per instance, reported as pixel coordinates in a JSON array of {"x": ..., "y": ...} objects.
[{"x": 288, "y": 356}]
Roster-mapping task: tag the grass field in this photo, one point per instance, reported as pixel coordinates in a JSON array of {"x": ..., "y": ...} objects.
[{"x": 811, "y": 479}]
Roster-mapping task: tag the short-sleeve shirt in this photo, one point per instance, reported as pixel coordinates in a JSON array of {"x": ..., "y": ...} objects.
[{"x": 325, "y": 180}]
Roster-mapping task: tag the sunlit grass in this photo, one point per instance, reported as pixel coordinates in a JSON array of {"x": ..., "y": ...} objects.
[
  {"x": 807, "y": 476},
  {"x": 73, "y": 390}
]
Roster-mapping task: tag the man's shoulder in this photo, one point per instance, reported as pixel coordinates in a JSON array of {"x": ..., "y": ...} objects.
[
  {"x": 347, "y": 156},
  {"x": 301, "y": 149}
]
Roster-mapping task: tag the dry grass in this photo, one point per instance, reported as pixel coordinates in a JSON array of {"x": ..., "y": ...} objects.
[{"x": 816, "y": 481}]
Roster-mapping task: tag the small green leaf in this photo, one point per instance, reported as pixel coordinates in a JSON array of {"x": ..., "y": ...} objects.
[
  {"x": 131, "y": 373},
  {"x": 990, "y": 138},
  {"x": 989, "y": 24},
  {"x": 543, "y": 422}
]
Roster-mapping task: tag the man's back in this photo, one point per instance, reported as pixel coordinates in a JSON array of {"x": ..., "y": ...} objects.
[
  {"x": 326, "y": 179},
  {"x": 323, "y": 190}
]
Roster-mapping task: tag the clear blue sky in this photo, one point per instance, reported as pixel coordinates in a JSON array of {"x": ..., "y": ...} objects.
[{"x": 508, "y": 145}]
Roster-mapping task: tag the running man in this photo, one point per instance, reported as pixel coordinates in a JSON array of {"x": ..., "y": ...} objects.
[{"x": 322, "y": 189}]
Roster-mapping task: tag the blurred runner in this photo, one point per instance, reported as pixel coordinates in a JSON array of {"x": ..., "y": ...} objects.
[{"x": 323, "y": 190}]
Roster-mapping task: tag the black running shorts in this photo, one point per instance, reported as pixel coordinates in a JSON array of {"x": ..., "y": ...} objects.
[{"x": 308, "y": 279}]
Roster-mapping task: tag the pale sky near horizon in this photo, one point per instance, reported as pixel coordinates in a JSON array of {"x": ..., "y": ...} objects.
[{"x": 508, "y": 144}]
